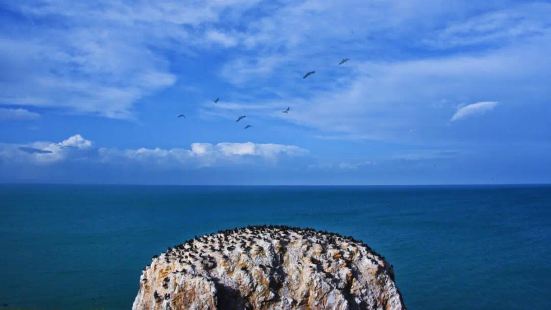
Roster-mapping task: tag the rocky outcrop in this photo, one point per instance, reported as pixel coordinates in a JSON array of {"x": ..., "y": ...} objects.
[{"x": 269, "y": 267}]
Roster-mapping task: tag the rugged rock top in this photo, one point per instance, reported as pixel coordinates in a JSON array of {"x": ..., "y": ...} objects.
[{"x": 269, "y": 267}]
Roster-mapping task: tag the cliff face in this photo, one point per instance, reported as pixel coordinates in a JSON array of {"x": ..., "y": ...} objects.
[{"x": 269, "y": 268}]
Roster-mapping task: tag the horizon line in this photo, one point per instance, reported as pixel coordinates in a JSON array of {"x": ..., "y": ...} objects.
[{"x": 280, "y": 185}]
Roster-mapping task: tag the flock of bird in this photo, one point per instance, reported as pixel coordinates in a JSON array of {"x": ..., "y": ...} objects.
[{"x": 286, "y": 110}]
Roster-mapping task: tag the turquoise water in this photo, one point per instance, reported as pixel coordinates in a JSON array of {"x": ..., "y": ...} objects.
[{"x": 469, "y": 247}]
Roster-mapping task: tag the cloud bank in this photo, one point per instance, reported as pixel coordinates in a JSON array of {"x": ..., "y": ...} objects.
[
  {"x": 77, "y": 148},
  {"x": 44, "y": 153}
]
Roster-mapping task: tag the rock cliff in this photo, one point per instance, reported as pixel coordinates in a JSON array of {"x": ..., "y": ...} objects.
[{"x": 269, "y": 267}]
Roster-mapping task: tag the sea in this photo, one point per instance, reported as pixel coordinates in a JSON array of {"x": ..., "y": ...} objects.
[{"x": 452, "y": 247}]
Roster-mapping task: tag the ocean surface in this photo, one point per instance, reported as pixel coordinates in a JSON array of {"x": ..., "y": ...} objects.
[{"x": 462, "y": 247}]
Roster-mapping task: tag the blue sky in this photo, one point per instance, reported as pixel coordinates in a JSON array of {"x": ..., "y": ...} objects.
[{"x": 435, "y": 92}]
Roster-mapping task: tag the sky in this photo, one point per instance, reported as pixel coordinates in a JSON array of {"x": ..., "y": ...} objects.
[{"x": 435, "y": 92}]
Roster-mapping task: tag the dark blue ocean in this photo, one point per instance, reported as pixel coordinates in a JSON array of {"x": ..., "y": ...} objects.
[{"x": 465, "y": 247}]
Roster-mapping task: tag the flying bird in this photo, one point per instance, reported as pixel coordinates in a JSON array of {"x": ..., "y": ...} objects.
[
  {"x": 216, "y": 100},
  {"x": 308, "y": 74},
  {"x": 240, "y": 118},
  {"x": 343, "y": 61},
  {"x": 247, "y": 127},
  {"x": 181, "y": 115},
  {"x": 286, "y": 110}
]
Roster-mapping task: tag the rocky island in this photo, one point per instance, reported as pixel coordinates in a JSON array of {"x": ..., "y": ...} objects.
[{"x": 269, "y": 267}]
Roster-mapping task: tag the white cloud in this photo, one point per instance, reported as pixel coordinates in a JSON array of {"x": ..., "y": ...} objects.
[
  {"x": 201, "y": 149},
  {"x": 221, "y": 38},
  {"x": 199, "y": 155},
  {"x": 239, "y": 71},
  {"x": 7, "y": 114},
  {"x": 109, "y": 57},
  {"x": 42, "y": 152},
  {"x": 102, "y": 57},
  {"x": 207, "y": 154},
  {"x": 236, "y": 149},
  {"x": 498, "y": 27},
  {"x": 385, "y": 92},
  {"x": 76, "y": 141},
  {"x": 268, "y": 151},
  {"x": 473, "y": 109},
  {"x": 385, "y": 100}
]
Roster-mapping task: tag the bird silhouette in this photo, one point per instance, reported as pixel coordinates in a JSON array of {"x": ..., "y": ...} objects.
[
  {"x": 308, "y": 74},
  {"x": 240, "y": 118},
  {"x": 216, "y": 100},
  {"x": 247, "y": 127},
  {"x": 286, "y": 110},
  {"x": 343, "y": 61},
  {"x": 181, "y": 115}
]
